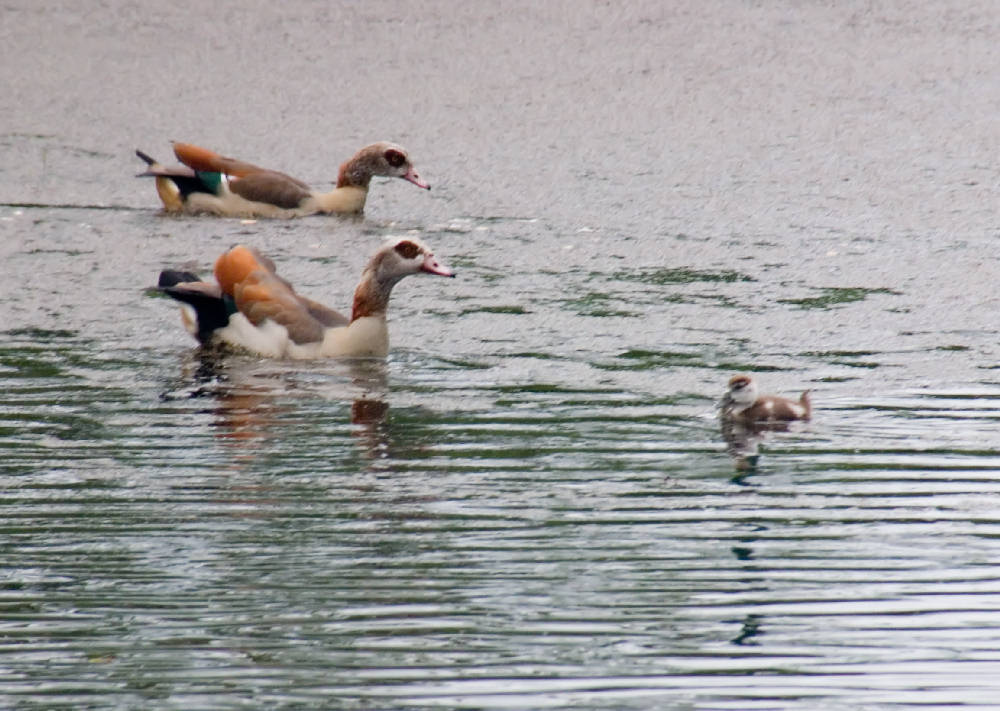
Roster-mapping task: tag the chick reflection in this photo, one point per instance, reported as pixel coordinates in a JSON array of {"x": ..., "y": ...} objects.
[
  {"x": 751, "y": 626},
  {"x": 742, "y": 443},
  {"x": 743, "y": 440},
  {"x": 256, "y": 403}
]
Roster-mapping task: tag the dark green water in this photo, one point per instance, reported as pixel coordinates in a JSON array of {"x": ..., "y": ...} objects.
[{"x": 530, "y": 503}]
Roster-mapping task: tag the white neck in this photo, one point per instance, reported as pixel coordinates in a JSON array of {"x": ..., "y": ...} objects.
[
  {"x": 346, "y": 200},
  {"x": 740, "y": 400},
  {"x": 365, "y": 337}
]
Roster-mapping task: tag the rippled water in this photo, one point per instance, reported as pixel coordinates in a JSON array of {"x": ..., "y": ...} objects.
[{"x": 530, "y": 503}]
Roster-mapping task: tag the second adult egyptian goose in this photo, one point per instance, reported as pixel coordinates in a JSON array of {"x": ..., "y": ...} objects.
[
  {"x": 252, "y": 308},
  {"x": 209, "y": 183},
  {"x": 743, "y": 402}
]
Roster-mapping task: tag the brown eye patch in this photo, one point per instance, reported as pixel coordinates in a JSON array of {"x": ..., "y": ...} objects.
[
  {"x": 407, "y": 249},
  {"x": 395, "y": 158}
]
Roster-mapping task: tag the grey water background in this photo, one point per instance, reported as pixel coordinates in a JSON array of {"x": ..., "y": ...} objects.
[{"x": 529, "y": 504}]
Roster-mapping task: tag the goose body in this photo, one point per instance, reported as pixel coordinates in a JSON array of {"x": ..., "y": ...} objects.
[
  {"x": 209, "y": 183},
  {"x": 250, "y": 307},
  {"x": 742, "y": 402}
]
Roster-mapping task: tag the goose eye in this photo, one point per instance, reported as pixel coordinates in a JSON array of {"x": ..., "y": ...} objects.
[
  {"x": 407, "y": 249},
  {"x": 394, "y": 158}
]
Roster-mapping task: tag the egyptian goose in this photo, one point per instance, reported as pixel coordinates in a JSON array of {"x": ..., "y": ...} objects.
[
  {"x": 252, "y": 308},
  {"x": 742, "y": 402},
  {"x": 210, "y": 183}
]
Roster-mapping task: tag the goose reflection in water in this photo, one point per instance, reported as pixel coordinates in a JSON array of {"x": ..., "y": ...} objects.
[{"x": 255, "y": 404}]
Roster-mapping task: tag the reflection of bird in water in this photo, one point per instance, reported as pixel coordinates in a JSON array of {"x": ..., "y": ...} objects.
[
  {"x": 749, "y": 631},
  {"x": 746, "y": 416},
  {"x": 370, "y": 409},
  {"x": 257, "y": 402},
  {"x": 372, "y": 434},
  {"x": 742, "y": 443}
]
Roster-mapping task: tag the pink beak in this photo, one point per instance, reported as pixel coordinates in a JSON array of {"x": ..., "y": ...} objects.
[
  {"x": 432, "y": 266},
  {"x": 411, "y": 175}
]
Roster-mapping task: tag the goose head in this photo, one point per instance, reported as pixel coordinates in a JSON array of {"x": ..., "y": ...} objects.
[
  {"x": 383, "y": 159},
  {"x": 742, "y": 393},
  {"x": 396, "y": 259}
]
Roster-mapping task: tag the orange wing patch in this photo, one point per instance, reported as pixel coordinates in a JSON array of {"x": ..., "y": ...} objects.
[
  {"x": 265, "y": 296},
  {"x": 258, "y": 299},
  {"x": 236, "y": 265},
  {"x": 197, "y": 157},
  {"x": 202, "y": 159},
  {"x": 260, "y": 294}
]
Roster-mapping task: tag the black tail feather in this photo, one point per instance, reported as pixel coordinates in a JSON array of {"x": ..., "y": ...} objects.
[
  {"x": 186, "y": 179},
  {"x": 173, "y": 277},
  {"x": 146, "y": 157},
  {"x": 212, "y": 309}
]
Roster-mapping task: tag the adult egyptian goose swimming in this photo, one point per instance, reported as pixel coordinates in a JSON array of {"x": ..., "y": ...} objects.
[
  {"x": 252, "y": 308},
  {"x": 742, "y": 402},
  {"x": 208, "y": 183}
]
